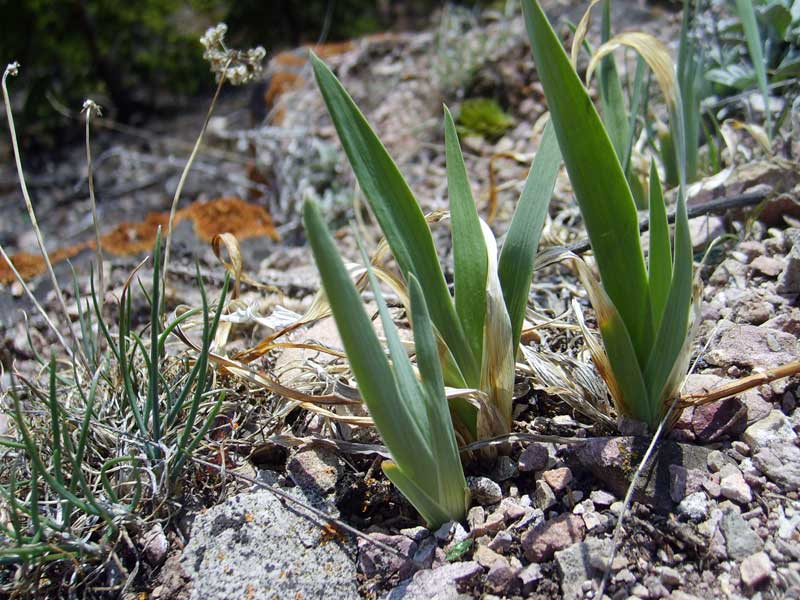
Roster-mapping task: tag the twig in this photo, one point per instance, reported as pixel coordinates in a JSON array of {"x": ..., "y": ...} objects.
[
  {"x": 740, "y": 385},
  {"x": 695, "y": 210}
]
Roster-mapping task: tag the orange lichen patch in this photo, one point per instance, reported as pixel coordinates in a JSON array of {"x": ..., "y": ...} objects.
[
  {"x": 280, "y": 83},
  {"x": 332, "y": 48},
  {"x": 31, "y": 265},
  {"x": 288, "y": 58},
  {"x": 133, "y": 238},
  {"x": 231, "y": 215}
]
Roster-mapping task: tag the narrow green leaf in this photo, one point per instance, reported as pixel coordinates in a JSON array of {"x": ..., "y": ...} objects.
[
  {"x": 433, "y": 513},
  {"x": 669, "y": 342},
  {"x": 515, "y": 267},
  {"x": 660, "y": 256},
  {"x": 398, "y": 213},
  {"x": 747, "y": 15},
  {"x": 597, "y": 178},
  {"x": 612, "y": 100},
  {"x": 469, "y": 249}
]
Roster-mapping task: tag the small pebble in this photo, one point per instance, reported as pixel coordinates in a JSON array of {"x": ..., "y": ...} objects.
[
  {"x": 484, "y": 491},
  {"x": 756, "y": 569}
]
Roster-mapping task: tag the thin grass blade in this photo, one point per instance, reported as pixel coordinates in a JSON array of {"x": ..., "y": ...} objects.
[{"x": 660, "y": 255}]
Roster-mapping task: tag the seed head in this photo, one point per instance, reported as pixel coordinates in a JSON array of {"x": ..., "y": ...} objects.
[{"x": 235, "y": 66}]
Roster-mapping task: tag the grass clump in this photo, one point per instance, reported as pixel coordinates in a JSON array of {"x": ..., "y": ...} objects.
[{"x": 483, "y": 117}]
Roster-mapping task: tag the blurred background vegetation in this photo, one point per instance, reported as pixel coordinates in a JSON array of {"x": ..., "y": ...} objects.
[{"x": 143, "y": 56}]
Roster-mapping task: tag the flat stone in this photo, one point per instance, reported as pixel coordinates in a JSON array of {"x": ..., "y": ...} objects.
[
  {"x": 500, "y": 578},
  {"x": 694, "y": 506},
  {"x": 254, "y": 543},
  {"x": 767, "y": 265},
  {"x": 581, "y": 562},
  {"x": 685, "y": 481},
  {"x": 535, "y": 457},
  {"x": 316, "y": 470},
  {"x": 781, "y": 463},
  {"x": 504, "y": 468},
  {"x": 601, "y": 498},
  {"x": 789, "y": 279},
  {"x": 373, "y": 560},
  {"x": 501, "y": 542},
  {"x": 719, "y": 420},
  {"x": 752, "y": 347},
  {"x": 613, "y": 460},
  {"x": 774, "y": 429},
  {"x": 735, "y": 488},
  {"x": 740, "y": 539},
  {"x": 529, "y": 576},
  {"x": 486, "y": 557},
  {"x": 542, "y": 541},
  {"x": 484, "y": 491},
  {"x": 544, "y": 496},
  {"x": 558, "y": 479},
  {"x": 441, "y": 583},
  {"x": 704, "y": 229},
  {"x": 756, "y": 570}
]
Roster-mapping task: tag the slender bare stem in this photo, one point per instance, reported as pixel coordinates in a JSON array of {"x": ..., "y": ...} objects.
[
  {"x": 173, "y": 209},
  {"x": 35, "y": 302},
  {"x": 89, "y": 108},
  {"x": 740, "y": 385},
  {"x": 12, "y": 69}
]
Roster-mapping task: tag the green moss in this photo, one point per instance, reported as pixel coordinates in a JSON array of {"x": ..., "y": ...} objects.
[{"x": 483, "y": 117}]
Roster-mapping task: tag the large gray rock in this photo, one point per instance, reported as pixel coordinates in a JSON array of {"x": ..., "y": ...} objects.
[
  {"x": 740, "y": 539},
  {"x": 753, "y": 347},
  {"x": 582, "y": 562},
  {"x": 254, "y": 545}
]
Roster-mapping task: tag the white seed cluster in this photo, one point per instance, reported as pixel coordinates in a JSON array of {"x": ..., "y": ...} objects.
[
  {"x": 235, "y": 66},
  {"x": 90, "y": 107}
]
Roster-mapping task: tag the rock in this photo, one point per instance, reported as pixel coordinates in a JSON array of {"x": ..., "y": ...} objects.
[
  {"x": 416, "y": 533},
  {"x": 740, "y": 539},
  {"x": 735, "y": 488},
  {"x": 767, "y": 265},
  {"x": 581, "y": 562},
  {"x": 694, "y": 506},
  {"x": 501, "y": 542},
  {"x": 500, "y": 577},
  {"x": 544, "y": 496},
  {"x": 716, "y": 460},
  {"x": 426, "y": 551},
  {"x": 495, "y": 522},
  {"x": 756, "y": 569},
  {"x": 484, "y": 491},
  {"x": 705, "y": 229},
  {"x": 781, "y": 463},
  {"x": 685, "y": 481},
  {"x": 440, "y": 583},
  {"x": 614, "y": 460},
  {"x": 789, "y": 279},
  {"x": 774, "y": 429},
  {"x": 729, "y": 269},
  {"x": 558, "y": 479},
  {"x": 529, "y": 576},
  {"x": 511, "y": 509},
  {"x": 451, "y": 532},
  {"x": 719, "y": 420},
  {"x": 255, "y": 544},
  {"x": 535, "y": 457},
  {"x": 601, "y": 498},
  {"x": 316, "y": 470},
  {"x": 505, "y": 468},
  {"x": 374, "y": 560},
  {"x": 752, "y": 347},
  {"x": 476, "y": 517},
  {"x": 543, "y": 540},
  {"x": 486, "y": 557},
  {"x": 155, "y": 545},
  {"x": 669, "y": 576}
]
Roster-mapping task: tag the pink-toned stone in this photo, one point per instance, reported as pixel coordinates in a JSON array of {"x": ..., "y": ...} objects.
[
  {"x": 719, "y": 420},
  {"x": 558, "y": 479},
  {"x": 542, "y": 541}
]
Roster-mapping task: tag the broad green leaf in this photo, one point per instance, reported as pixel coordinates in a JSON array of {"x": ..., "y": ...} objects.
[
  {"x": 660, "y": 255},
  {"x": 469, "y": 249},
  {"x": 449, "y": 474},
  {"x": 597, "y": 178},
  {"x": 515, "y": 266},
  {"x": 395, "y": 420},
  {"x": 747, "y": 16},
  {"x": 398, "y": 213}
]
